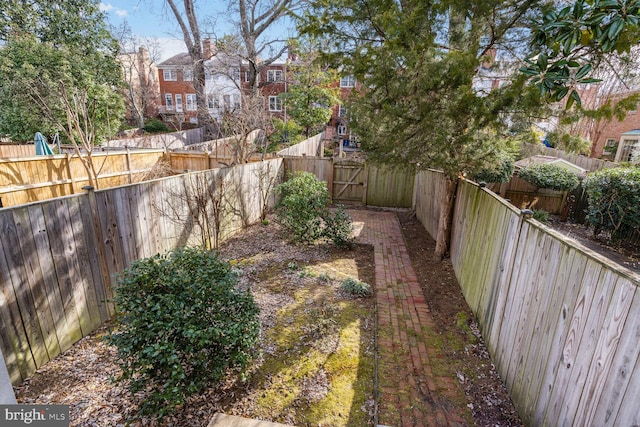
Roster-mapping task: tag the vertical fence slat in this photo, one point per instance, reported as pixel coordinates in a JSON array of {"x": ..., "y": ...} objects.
[
  {"x": 22, "y": 292},
  {"x": 15, "y": 345}
]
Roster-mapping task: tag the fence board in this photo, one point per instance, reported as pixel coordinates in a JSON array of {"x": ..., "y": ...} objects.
[
  {"x": 85, "y": 289},
  {"x": 94, "y": 258},
  {"x": 600, "y": 369},
  {"x": 17, "y": 150},
  {"x": 389, "y": 187},
  {"x": 30, "y": 179},
  {"x": 18, "y": 357},
  {"x": 35, "y": 282},
  {"x": 548, "y": 306},
  {"x": 21, "y": 289},
  {"x": 48, "y": 275}
]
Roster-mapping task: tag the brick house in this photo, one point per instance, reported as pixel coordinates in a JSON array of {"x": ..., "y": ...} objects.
[
  {"x": 177, "y": 94},
  {"x": 607, "y": 139}
]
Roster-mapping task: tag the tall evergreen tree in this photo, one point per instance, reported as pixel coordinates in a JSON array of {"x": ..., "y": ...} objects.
[{"x": 417, "y": 62}]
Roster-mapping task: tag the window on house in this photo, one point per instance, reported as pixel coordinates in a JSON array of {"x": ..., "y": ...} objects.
[
  {"x": 342, "y": 111},
  {"x": 187, "y": 75},
  {"x": 274, "y": 75},
  {"x": 210, "y": 99},
  {"x": 246, "y": 76},
  {"x": 170, "y": 75},
  {"x": 347, "y": 81},
  {"x": 235, "y": 74},
  {"x": 179, "y": 102},
  {"x": 226, "y": 99},
  {"x": 236, "y": 101},
  {"x": 629, "y": 146},
  {"x": 168, "y": 101},
  {"x": 191, "y": 102},
  {"x": 275, "y": 103},
  {"x": 342, "y": 129}
]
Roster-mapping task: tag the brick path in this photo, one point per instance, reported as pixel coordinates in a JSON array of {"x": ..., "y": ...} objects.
[{"x": 414, "y": 389}]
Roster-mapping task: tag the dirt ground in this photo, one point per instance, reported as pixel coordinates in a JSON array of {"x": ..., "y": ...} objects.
[
  {"x": 280, "y": 276},
  {"x": 468, "y": 358}
]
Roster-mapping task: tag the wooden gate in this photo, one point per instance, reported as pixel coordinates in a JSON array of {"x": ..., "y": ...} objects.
[{"x": 349, "y": 182}]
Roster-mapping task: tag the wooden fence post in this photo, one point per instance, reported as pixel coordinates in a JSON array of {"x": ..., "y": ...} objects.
[{"x": 129, "y": 164}]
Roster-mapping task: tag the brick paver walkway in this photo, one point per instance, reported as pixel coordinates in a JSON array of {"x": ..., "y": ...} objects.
[{"x": 413, "y": 388}]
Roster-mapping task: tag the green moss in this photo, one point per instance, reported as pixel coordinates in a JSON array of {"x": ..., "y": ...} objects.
[{"x": 349, "y": 369}]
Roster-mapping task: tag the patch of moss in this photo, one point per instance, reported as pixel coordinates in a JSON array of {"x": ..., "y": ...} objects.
[{"x": 349, "y": 368}]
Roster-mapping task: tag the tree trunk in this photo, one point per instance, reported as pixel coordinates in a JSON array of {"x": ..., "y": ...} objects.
[{"x": 447, "y": 205}]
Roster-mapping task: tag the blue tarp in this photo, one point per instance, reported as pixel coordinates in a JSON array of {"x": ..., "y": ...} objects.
[{"x": 42, "y": 148}]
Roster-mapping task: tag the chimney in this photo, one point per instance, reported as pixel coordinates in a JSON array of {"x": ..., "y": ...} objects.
[{"x": 207, "y": 49}]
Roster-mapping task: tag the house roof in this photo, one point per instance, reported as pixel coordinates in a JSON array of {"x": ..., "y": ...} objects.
[
  {"x": 539, "y": 159},
  {"x": 178, "y": 60}
]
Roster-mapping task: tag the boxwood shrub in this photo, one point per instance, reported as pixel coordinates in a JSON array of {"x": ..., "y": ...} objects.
[
  {"x": 181, "y": 324},
  {"x": 549, "y": 176},
  {"x": 614, "y": 201},
  {"x": 303, "y": 211}
]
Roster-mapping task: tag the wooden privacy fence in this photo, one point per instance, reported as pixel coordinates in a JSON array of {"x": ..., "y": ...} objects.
[
  {"x": 29, "y": 179},
  {"x": 59, "y": 258},
  {"x": 523, "y": 194},
  {"x": 17, "y": 150},
  {"x": 588, "y": 163},
  {"x": 358, "y": 182},
  {"x": 173, "y": 140},
  {"x": 311, "y": 147},
  {"x": 561, "y": 322},
  {"x": 184, "y": 160}
]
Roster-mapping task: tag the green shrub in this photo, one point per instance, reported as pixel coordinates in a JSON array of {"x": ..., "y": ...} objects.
[
  {"x": 303, "y": 202},
  {"x": 550, "y": 176},
  {"x": 356, "y": 288},
  {"x": 338, "y": 228},
  {"x": 303, "y": 211},
  {"x": 501, "y": 171},
  {"x": 154, "y": 125},
  {"x": 614, "y": 201},
  {"x": 181, "y": 323}
]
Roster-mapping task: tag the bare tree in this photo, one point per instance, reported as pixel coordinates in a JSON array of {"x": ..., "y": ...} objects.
[
  {"x": 255, "y": 18},
  {"x": 267, "y": 180},
  {"x": 140, "y": 73},
  {"x": 240, "y": 124},
  {"x": 193, "y": 40},
  {"x": 611, "y": 99},
  {"x": 199, "y": 204}
]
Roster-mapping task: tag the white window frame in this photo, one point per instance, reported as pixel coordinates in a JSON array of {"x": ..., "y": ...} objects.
[
  {"x": 275, "y": 103},
  {"x": 347, "y": 81},
  {"x": 168, "y": 101},
  {"x": 341, "y": 129},
  {"x": 274, "y": 76},
  {"x": 226, "y": 101},
  {"x": 191, "y": 102},
  {"x": 170, "y": 75},
  {"x": 178, "y": 102},
  {"x": 342, "y": 111},
  {"x": 187, "y": 75}
]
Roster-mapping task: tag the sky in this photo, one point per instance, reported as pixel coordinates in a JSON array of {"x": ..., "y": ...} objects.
[{"x": 154, "y": 19}]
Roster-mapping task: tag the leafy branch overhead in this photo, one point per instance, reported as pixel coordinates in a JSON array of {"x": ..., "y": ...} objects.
[{"x": 569, "y": 43}]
